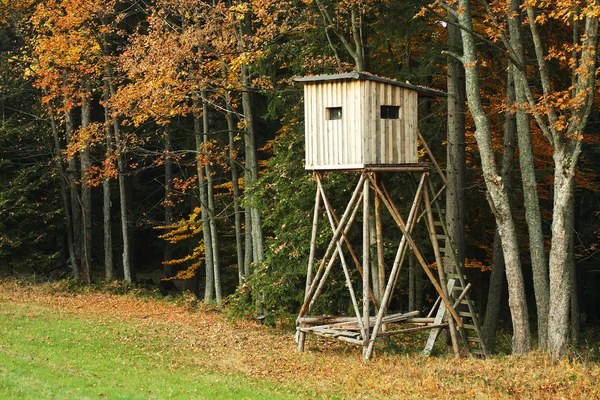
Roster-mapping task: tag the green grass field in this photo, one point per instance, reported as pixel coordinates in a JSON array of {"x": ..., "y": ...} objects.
[
  {"x": 59, "y": 343},
  {"x": 48, "y": 356}
]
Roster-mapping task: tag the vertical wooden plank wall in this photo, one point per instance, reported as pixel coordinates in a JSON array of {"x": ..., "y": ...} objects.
[{"x": 361, "y": 137}]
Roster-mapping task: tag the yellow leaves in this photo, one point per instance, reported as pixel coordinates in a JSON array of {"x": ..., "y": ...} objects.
[
  {"x": 239, "y": 11},
  {"x": 476, "y": 264}
]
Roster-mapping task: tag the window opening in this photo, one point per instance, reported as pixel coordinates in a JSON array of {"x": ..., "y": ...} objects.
[
  {"x": 334, "y": 112},
  {"x": 390, "y": 112}
]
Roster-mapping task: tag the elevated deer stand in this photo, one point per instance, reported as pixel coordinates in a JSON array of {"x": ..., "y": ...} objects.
[{"x": 359, "y": 123}]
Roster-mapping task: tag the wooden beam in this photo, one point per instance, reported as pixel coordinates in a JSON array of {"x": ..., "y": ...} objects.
[
  {"x": 301, "y": 337},
  {"x": 433, "y": 160},
  {"x": 414, "y": 329},
  {"x": 365, "y": 262}
]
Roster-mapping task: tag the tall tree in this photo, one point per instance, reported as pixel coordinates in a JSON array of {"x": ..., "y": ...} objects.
[
  {"x": 498, "y": 196},
  {"x": 456, "y": 162},
  {"x": 530, "y": 194}
]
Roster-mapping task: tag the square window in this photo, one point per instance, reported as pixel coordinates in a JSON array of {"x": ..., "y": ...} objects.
[
  {"x": 334, "y": 112},
  {"x": 390, "y": 112}
]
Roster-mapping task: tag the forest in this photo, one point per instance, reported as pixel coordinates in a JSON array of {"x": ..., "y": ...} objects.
[{"x": 161, "y": 143}]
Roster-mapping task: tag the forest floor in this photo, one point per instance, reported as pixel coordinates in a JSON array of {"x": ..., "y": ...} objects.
[{"x": 89, "y": 344}]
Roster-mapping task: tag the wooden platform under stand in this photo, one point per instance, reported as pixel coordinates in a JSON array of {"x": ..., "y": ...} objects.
[{"x": 347, "y": 329}]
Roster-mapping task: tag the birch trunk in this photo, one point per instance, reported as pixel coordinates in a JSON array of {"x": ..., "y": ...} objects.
[{"x": 495, "y": 187}]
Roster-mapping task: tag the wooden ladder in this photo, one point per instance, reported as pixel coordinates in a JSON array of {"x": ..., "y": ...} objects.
[{"x": 458, "y": 287}]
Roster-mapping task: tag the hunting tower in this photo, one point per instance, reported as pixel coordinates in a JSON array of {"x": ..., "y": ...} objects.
[{"x": 360, "y": 123}]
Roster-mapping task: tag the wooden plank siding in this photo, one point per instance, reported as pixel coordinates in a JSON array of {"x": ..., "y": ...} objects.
[{"x": 360, "y": 138}]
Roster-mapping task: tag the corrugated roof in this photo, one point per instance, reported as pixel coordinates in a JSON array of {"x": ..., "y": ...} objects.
[{"x": 361, "y": 76}]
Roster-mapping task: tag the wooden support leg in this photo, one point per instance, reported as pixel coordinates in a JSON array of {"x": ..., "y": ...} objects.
[
  {"x": 311, "y": 260},
  {"x": 366, "y": 268},
  {"x": 380, "y": 249}
]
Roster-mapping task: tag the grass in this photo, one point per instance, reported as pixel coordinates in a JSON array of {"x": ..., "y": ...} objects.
[
  {"x": 57, "y": 344},
  {"x": 48, "y": 356}
]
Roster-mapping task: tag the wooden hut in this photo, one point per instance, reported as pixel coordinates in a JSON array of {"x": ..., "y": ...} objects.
[{"x": 357, "y": 120}]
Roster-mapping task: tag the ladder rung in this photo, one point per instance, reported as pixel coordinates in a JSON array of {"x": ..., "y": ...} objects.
[
  {"x": 441, "y": 237},
  {"x": 458, "y": 288},
  {"x": 465, "y": 314},
  {"x": 451, "y": 275},
  {"x": 473, "y": 339},
  {"x": 479, "y": 352},
  {"x": 469, "y": 326}
]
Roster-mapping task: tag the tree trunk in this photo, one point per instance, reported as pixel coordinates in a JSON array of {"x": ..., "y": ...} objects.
[
  {"x": 208, "y": 262},
  {"x": 86, "y": 190},
  {"x": 128, "y": 272},
  {"x": 494, "y": 299},
  {"x": 493, "y": 304},
  {"x": 575, "y": 317},
  {"x": 239, "y": 234},
  {"x": 251, "y": 175},
  {"x": 419, "y": 286},
  {"x": 64, "y": 182},
  {"x": 456, "y": 164},
  {"x": 495, "y": 187},
  {"x": 248, "y": 255},
  {"x": 411, "y": 283},
  {"x": 374, "y": 259},
  {"x": 558, "y": 318},
  {"x": 168, "y": 250},
  {"x": 530, "y": 195},
  {"x": 214, "y": 240},
  {"x": 73, "y": 170},
  {"x": 106, "y": 209}
]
